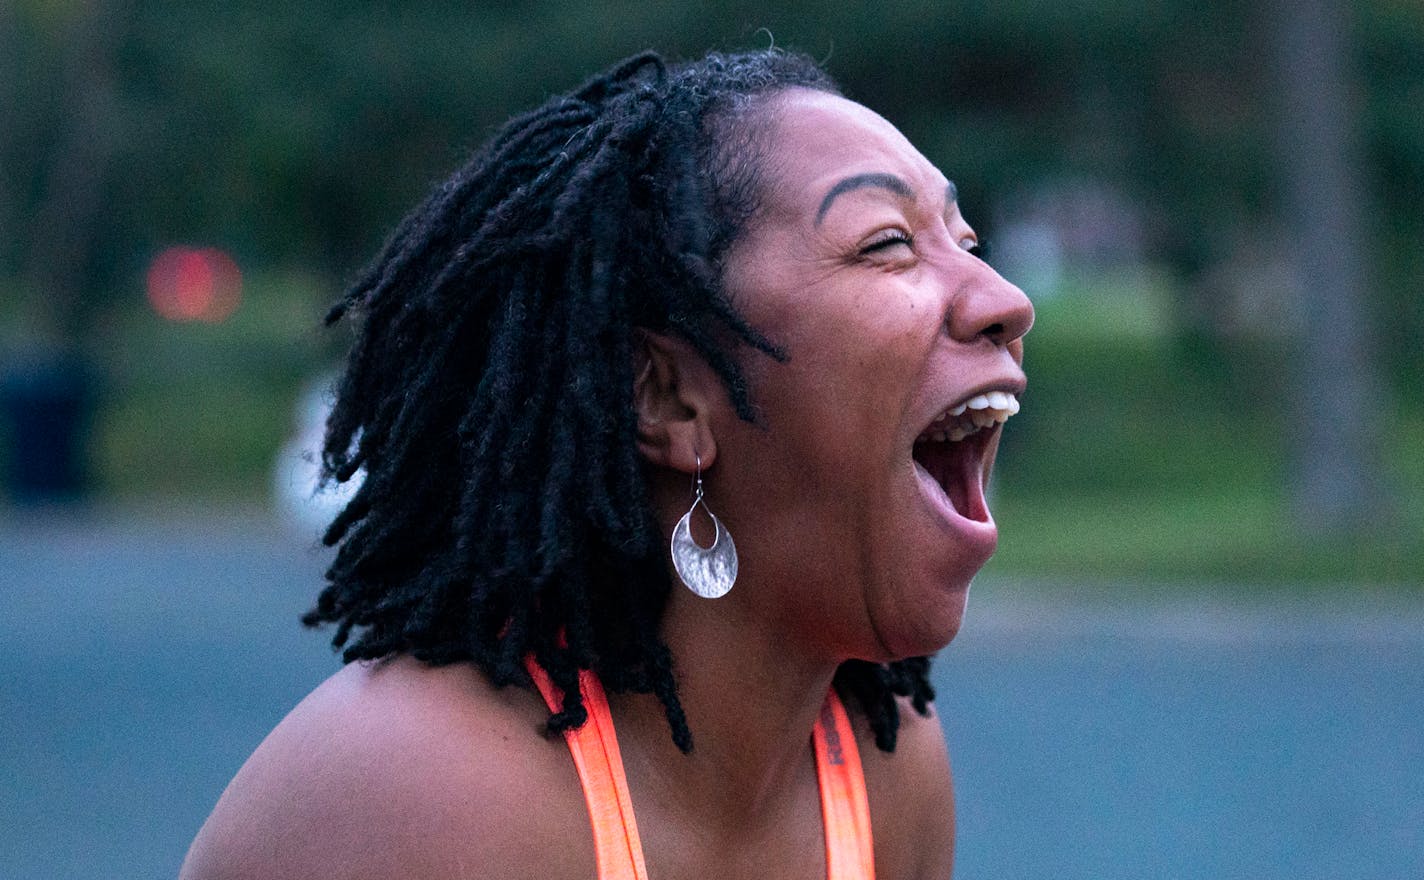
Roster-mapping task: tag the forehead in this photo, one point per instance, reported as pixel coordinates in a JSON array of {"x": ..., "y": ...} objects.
[{"x": 817, "y": 140}]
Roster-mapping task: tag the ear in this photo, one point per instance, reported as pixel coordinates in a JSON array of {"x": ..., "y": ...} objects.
[{"x": 674, "y": 394}]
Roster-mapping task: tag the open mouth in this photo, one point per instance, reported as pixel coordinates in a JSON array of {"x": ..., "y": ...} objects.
[{"x": 951, "y": 450}]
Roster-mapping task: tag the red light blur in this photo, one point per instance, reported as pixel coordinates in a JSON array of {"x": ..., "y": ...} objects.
[{"x": 194, "y": 284}]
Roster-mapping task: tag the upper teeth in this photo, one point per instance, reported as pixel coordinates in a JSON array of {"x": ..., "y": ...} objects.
[{"x": 981, "y": 411}]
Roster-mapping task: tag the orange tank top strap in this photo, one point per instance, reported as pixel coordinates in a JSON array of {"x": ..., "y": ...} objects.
[
  {"x": 594, "y": 747},
  {"x": 845, "y": 810}
]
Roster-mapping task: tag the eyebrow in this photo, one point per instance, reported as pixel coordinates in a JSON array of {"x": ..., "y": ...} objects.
[
  {"x": 880, "y": 180},
  {"x": 862, "y": 181}
]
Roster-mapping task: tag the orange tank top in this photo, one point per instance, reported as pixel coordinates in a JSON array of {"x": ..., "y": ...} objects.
[{"x": 845, "y": 811}]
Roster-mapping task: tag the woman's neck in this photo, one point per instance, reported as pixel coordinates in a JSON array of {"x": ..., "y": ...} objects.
[{"x": 750, "y": 701}]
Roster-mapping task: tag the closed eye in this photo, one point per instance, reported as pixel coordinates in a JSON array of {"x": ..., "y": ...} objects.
[{"x": 887, "y": 240}]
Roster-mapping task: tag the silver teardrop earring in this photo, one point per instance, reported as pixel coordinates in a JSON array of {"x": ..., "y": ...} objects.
[{"x": 711, "y": 571}]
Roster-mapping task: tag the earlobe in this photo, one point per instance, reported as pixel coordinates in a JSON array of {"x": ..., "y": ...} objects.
[{"x": 672, "y": 397}]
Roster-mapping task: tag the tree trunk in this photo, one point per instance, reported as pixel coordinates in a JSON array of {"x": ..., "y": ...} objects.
[
  {"x": 69, "y": 216},
  {"x": 1336, "y": 396}
]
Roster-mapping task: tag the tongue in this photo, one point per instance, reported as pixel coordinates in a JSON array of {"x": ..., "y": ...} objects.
[{"x": 955, "y": 467}]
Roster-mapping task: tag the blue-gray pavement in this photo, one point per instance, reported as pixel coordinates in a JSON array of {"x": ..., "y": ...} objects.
[
  {"x": 143, "y": 659},
  {"x": 1187, "y": 738},
  {"x": 144, "y": 655}
]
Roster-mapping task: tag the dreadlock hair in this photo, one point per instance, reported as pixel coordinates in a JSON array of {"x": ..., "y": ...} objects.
[{"x": 488, "y": 394}]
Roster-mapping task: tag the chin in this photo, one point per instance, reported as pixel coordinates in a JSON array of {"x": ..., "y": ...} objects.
[
  {"x": 931, "y": 630},
  {"x": 945, "y": 629}
]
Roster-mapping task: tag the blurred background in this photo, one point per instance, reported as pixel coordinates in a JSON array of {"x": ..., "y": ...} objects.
[{"x": 1200, "y": 649}]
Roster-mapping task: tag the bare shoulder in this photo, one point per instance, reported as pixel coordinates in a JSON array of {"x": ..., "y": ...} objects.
[
  {"x": 399, "y": 769},
  {"x": 911, "y": 799}
]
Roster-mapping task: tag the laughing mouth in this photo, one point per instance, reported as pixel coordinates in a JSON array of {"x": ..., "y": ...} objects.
[{"x": 951, "y": 450}]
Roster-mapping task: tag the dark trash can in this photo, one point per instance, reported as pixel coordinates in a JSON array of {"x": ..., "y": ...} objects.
[{"x": 46, "y": 402}]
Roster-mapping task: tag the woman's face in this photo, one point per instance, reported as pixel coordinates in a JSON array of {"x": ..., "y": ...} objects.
[{"x": 850, "y": 495}]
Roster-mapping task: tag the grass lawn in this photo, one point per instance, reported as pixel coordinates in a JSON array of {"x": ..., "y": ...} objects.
[{"x": 1140, "y": 457}]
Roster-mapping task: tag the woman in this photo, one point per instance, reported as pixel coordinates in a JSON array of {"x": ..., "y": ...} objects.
[{"x": 718, "y": 286}]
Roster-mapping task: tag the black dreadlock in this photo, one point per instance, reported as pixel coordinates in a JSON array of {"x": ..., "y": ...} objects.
[{"x": 488, "y": 396}]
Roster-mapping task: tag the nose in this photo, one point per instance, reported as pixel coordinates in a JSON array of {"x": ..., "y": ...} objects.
[{"x": 990, "y": 308}]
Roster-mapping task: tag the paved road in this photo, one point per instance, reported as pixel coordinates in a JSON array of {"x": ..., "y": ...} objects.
[
  {"x": 142, "y": 658},
  {"x": 1188, "y": 739}
]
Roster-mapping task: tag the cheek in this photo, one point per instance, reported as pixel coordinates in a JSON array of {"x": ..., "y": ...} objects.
[
  {"x": 843, "y": 407},
  {"x": 837, "y": 410}
]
